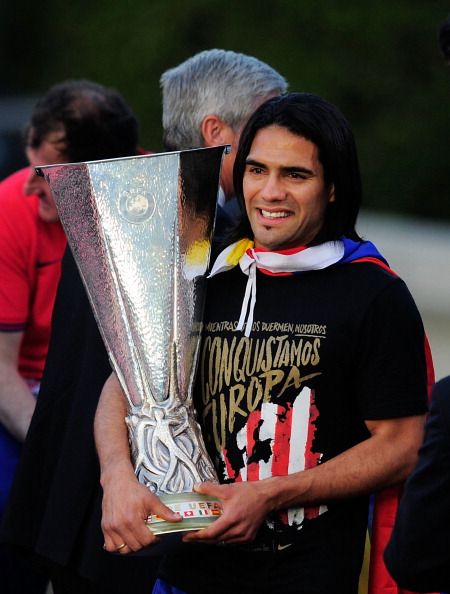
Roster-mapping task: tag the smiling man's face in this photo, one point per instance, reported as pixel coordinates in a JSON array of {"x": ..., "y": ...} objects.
[{"x": 284, "y": 189}]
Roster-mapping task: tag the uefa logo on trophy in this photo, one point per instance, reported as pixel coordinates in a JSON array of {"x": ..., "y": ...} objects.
[{"x": 140, "y": 231}]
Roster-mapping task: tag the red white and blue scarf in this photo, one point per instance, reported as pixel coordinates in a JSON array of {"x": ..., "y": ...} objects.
[{"x": 287, "y": 262}]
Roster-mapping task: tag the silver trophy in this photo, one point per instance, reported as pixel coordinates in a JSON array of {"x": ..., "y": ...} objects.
[{"x": 140, "y": 231}]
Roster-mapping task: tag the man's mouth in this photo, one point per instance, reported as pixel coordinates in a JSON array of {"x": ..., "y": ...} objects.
[{"x": 277, "y": 214}]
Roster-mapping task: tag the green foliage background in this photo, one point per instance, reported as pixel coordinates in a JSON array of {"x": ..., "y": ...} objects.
[{"x": 378, "y": 61}]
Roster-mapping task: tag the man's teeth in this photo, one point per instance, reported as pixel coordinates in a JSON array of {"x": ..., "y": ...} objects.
[{"x": 280, "y": 214}]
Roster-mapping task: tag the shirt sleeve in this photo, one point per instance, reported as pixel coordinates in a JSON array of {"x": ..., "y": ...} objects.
[
  {"x": 17, "y": 255},
  {"x": 392, "y": 373}
]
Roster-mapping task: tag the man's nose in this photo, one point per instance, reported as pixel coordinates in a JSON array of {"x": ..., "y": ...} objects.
[
  {"x": 274, "y": 188},
  {"x": 31, "y": 183}
]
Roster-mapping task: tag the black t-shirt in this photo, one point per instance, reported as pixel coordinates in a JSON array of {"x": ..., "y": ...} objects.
[{"x": 328, "y": 350}]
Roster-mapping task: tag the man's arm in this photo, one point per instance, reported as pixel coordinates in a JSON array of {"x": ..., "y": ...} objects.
[
  {"x": 126, "y": 503},
  {"x": 17, "y": 403},
  {"x": 383, "y": 459}
]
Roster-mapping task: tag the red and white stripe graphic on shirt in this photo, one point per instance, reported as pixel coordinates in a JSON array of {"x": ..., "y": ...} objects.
[{"x": 291, "y": 449}]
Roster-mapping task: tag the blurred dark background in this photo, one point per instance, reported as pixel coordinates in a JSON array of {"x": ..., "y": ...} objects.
[{"x": 378, "y": 61}]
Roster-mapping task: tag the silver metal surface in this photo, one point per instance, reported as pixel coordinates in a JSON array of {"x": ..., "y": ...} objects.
[{"x": 140, "y": 230}]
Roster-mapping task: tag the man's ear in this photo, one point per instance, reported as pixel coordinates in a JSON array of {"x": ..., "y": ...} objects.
[{"x": 215, "y": 131}]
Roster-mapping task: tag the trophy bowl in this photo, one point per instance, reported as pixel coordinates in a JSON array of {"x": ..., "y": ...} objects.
[{"x": 140, "y": 230}]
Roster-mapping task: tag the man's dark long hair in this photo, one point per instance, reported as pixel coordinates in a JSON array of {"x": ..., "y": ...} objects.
[
  {"x": 320, "y": 122},
  {"x": 95, "y": 122}
]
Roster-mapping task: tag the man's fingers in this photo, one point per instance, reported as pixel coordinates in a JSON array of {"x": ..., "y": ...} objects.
[
  {"x": 208, "y": 488},
  {"x": 213, "y": 533},
  {"x": 159, "y": 509},
  {"x": 122, "y": 548},
  {"x": 130, "y": 530},
  {"x": 128, "y": 524},
  {"x": 134, "y": 540},
  {"x": 116, "y": 543}
]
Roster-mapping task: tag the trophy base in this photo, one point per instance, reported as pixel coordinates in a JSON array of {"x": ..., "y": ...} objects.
[{"x": 198, "y": 511}]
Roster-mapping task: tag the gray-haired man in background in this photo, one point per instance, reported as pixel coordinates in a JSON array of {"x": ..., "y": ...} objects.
[{"x": 208, "y": 99}]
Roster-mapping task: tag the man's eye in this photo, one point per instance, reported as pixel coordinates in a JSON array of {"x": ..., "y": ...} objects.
[
  {"x": 296, "y": 175},
  {"x": 256, "y": 170}
]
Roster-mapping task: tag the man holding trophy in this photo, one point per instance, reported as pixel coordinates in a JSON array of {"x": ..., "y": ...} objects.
[{"x": 311, "y": 383}]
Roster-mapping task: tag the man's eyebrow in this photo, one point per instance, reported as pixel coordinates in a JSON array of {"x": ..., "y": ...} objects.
[
  {"x": 284, "y": 169},
  {"x": 254, "y": 163},
  {"x": 297, "y": 169}
]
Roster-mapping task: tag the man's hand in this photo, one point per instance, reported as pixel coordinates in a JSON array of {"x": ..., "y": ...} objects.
[
  {"x": 126, "y": 506},
  {"x": 245, "y": 507},
  {"x": 382, "y": 460},
  {"x": 126, "y": 503}
]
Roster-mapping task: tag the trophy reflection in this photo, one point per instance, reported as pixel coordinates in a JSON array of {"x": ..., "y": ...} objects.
[{"x": 140, "y": 231}]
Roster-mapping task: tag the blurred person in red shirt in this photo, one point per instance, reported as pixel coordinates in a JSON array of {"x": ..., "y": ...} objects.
[{"x": 76, "y": 120}]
